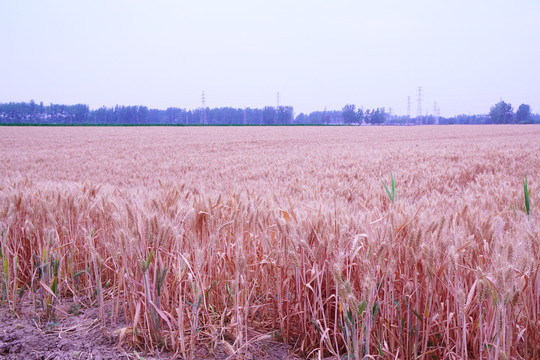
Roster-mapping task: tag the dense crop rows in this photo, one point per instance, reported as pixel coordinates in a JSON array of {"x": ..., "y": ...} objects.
[{"x": 226, "y": 236}]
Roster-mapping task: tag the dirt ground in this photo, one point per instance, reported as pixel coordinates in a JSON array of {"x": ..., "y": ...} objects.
[{"x": 81, "y": 336}]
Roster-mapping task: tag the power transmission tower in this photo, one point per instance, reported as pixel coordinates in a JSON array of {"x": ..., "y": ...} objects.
[
  {"x": 436, "y": 113},
  {"x": 204, "y": 120},
  {"x": 408, "y": 106},
  {"x": 419, "y": 107}
]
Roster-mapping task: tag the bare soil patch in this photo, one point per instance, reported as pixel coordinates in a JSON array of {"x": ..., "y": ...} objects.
[{"x": 81, "y": 336}]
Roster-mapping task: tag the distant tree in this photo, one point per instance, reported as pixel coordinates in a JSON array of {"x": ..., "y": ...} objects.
[
  {"x": 78, "y": 114},
  {"x": 172, "y": 115},
  {"x": 322, "y": 117},
  {"x": 349, "y": 114},
  {"x": 284, "y": 114},
  {"x": 269, "y": 115},
  {"x": 253, "y": 116},
  {"x": 523, "y": 114},
  {"x": 32, "y": 111},
  {"x": 360, "y": 115},
  {"x": 376, "y": 116},
  {"x": 501, "y": 113},
  {"x": 301, "y": 118},
  {"x": 142, "y": 114}
]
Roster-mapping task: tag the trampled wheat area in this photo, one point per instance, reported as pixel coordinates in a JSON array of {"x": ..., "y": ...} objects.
[{"x": 225, "y": 236}]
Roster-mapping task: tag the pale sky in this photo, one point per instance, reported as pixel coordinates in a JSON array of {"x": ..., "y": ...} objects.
[{"x": 466, "y": 55}]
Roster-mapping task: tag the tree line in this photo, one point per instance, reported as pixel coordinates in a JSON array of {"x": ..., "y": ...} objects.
[
  {"x": 81, "y": 114},
  {"x": 32, "y": 113}
]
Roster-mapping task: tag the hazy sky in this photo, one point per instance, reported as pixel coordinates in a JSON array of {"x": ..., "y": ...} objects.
[{"x": 466, "y": 55}]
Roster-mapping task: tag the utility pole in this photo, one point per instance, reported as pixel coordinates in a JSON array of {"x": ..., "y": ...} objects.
[
  {"x": 204, "y": 120},
  {"x": 419, "y": 107}
]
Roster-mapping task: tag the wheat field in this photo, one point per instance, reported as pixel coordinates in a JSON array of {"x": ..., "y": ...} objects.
[{"x": 230, "y": 235}]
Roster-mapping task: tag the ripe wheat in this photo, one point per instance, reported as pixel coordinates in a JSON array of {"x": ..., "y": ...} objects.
[{"x": 231, "y": 235}]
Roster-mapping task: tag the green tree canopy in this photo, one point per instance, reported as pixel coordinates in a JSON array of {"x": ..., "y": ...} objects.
[
  {"x": 501, "y": 113},
  {"x": 269, "y": 115},
  {"x": 375, "y": 116},
  {"x": 284, "y": 114},
  {"x": 523, "y": 114},
  {"x": 349, "y": 114}
]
